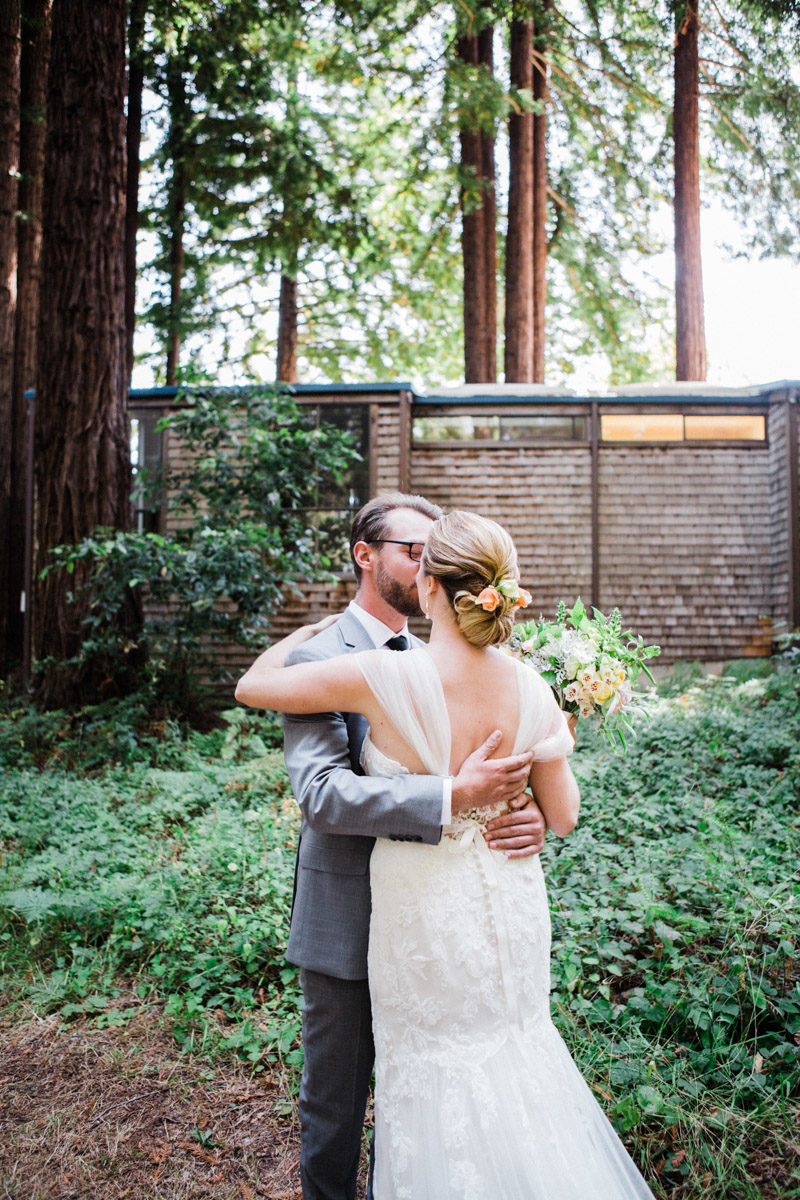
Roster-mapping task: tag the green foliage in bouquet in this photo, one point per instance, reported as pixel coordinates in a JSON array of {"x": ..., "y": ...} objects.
[{"x": 591, "y": 664}]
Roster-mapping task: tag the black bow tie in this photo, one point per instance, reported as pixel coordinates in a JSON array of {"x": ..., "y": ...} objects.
[{"x": 398, "y": 642}]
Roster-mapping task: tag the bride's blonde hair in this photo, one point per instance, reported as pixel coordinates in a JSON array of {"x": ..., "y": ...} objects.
[{"x": 468, "y": 553}]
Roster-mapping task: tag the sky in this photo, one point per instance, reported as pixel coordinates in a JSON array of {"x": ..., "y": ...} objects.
[{"x": 752, "y": 312}]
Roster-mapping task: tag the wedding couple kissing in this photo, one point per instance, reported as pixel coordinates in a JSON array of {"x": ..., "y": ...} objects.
[{"x": 420, "y": 920}]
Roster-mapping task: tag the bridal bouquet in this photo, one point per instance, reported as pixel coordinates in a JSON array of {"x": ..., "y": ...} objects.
[{"x": 591, "y": 664}]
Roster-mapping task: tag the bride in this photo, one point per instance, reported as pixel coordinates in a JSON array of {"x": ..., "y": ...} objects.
[{"x": 476, "y": 1095}]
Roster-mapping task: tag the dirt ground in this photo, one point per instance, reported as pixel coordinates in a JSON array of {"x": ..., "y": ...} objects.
[{"x": 121, "y": 1114}]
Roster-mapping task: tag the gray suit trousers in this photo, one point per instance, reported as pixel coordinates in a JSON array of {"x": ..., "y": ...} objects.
[{"x": 339, "y": 1053}]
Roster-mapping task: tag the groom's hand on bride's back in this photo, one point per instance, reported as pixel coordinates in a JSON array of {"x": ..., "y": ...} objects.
[{"x": 485, "y": 780}]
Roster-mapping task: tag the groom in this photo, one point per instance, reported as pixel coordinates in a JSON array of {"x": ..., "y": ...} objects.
[{"x": 343, "y": 811}]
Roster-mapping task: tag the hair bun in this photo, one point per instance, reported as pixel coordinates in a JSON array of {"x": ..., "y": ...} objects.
[{"x": 475, "y": 561}]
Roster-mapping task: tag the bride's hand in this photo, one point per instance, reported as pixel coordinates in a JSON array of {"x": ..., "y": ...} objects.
[{"x": 250, "y": 689}]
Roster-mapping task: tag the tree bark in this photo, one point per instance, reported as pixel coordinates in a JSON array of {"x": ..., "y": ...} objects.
[
  {"x": 176, "y": 211},
  {"x": 541, "y": 30},
  {"x": 519, "y": 239},
  {"x": 133, "y": 137},
  {"x": 82, "y": 454},
  {"x": 286, "y": 365},
  {"x": 478, "y": 230},
  {"x": 486, "y": 59},
  {"x": 690, "y": 342},
  {"x": 35, "y": 29},
  {"x": 9, "y": 170}
]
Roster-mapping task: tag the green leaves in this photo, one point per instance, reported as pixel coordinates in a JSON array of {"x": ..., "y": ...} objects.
[
  {"x": 675, "y": 926},
  {"x": 130, "y": 875},
  {"x": 245, "y": 507}
]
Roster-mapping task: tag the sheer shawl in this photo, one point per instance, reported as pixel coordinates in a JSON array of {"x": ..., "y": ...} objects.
[{"x": 408, "y": 688}]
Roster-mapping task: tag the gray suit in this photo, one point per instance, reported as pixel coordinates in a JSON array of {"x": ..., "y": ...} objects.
[{"x": 343, "y": 811}]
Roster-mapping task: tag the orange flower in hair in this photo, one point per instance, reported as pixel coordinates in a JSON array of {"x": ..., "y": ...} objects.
[
  {"x": 523, "y": 599},
  {"x": 489, "y": 599}
]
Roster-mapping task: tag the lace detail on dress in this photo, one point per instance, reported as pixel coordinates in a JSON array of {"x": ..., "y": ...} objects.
[{"x": 472, "y": 818}]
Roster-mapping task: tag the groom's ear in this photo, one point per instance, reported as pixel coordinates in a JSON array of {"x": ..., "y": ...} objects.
[{"x": 364, "y": 555}]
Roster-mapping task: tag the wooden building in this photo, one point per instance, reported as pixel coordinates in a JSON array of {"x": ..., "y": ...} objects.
[{"x": 677, "y": 503}]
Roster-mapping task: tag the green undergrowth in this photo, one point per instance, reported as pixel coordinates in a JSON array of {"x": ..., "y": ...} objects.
[
  {"x": 139, "y": 861},
  {"x": 676, "y": 927},
  {"x": 174, "y": 880}
]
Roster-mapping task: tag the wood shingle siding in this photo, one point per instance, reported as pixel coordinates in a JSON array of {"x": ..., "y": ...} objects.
[{"x": 696, "y": 541}]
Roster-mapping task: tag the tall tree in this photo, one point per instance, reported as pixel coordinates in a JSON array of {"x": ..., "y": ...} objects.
[
  {"x": 541, "y": 27},
  {"x": 179, "y": 145},
  {"x": 133, "y": 137},
  {"x": 475, "y": 49},
  {"x": 286, "y": 359},
  {"x": 35, "y": 29},
  {"x": 9, "y": 171},
  {"x": 82, "y": 453},
  {"x": 690, "y": 341},
  {"x": 519, "y": 238}
]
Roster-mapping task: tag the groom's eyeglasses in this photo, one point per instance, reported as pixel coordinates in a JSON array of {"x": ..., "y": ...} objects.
[{"x": 414, "y": 548}]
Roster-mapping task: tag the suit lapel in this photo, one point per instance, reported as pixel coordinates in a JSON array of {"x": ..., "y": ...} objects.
[{"x": 352, "y": 633}]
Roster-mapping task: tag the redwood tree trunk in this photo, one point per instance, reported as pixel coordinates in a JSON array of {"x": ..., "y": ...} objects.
[
  {"x": 690, "y": 341},
  {"x": 486, "y": 59},
  {"x": 478, "y": 230},
  {"x": 286, "y": 366},
  {"x": 133, "y": 137},
  {"x": 540, "y": 93},
  {"x": 176, "y": 211},
  {"x": 82, "y": 455},
  {"x": 9, "y": 169},
  {"x": 35, "y": 28},
  {"x": 519, "y": 240}
]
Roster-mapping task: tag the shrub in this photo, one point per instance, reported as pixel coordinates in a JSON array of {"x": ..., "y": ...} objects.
[{"x": 246, "y": 514}]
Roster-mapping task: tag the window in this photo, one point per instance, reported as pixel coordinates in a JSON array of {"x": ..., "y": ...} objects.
[
  {"x": 642, "y": 427},
  {"x": 353, "y": 491},
  {"x": 336, "y": 501},
  {"x": 499, "y": 427},
  {"x": 727, "y": 427},
  {"x": 146, "y": 463},
  {"x": 677, "y": 427}
]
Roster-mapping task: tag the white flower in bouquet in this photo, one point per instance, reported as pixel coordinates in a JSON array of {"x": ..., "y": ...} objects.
[{"x": 591, "y": 664}]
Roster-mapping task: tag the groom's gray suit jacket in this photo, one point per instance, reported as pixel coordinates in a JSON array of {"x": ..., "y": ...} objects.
[{"x": 343, "y": 811}]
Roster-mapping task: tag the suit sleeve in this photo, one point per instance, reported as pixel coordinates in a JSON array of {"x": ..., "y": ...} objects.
[{"x": 335, "y": 798}]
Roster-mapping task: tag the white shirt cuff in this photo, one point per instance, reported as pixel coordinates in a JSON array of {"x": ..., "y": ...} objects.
[{"x": 447, "y": 801}]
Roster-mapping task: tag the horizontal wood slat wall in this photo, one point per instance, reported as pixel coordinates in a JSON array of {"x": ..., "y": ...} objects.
[{"x": 696, "y": 542}]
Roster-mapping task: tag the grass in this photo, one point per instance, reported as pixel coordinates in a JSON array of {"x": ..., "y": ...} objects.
[{"x": 145, "y": 884}]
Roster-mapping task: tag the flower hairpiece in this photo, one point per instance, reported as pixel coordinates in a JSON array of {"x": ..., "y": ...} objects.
[{"x": 493, "y": 595}]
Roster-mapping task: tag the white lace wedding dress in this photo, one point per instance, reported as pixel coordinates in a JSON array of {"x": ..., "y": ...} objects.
[{"x": 476, "y": 1095}]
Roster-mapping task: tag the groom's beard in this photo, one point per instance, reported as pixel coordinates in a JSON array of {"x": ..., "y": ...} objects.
[{"x": 403, "y": 598}]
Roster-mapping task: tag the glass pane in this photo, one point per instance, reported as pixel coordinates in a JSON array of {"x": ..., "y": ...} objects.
[
  {"x": 134, "y": 442},
  {"x": 331, "y": 534},
  {"x": 744, "y": 428},
  {"x": 642, "y": 427},
  {"x": 353, "y": 491},
  {"x": 513, "y": 429},
  {"x": 456, "y": 427}
]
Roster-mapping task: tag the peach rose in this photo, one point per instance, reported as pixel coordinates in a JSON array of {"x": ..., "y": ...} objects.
[{"x": 489, "y": 599}]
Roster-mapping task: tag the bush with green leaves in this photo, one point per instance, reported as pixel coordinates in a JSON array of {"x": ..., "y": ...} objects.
[
  {"x": 246, "y": 526},
  {"x": 178, "y": 881}
]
